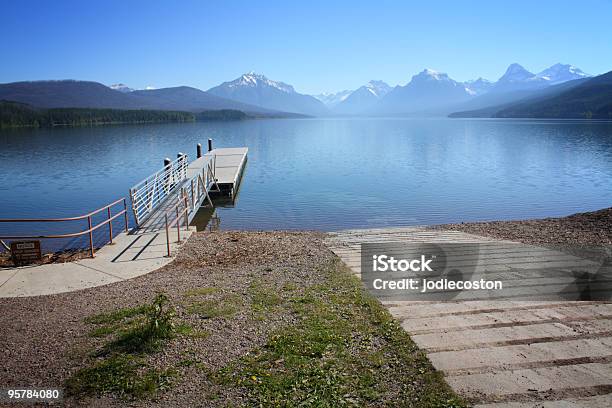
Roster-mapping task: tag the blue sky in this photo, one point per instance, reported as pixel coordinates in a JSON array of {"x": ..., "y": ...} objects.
[{"x": 314, "y": 45}]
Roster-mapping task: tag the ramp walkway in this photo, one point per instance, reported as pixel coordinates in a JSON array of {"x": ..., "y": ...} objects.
[
  {"x": 503, "y": 353},
  {"x": 163, "y": 205}
]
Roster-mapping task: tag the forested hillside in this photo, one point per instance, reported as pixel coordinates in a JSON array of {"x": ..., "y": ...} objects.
[{"x": 14, "y": 114}]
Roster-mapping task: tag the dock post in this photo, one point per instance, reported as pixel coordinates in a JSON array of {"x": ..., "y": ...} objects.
[
  {"x": 166, "y": 178},
  {"x": 183, "y": 167},
  {"x": 199, "y": 150},
  {"x": 209, "y": 145}
]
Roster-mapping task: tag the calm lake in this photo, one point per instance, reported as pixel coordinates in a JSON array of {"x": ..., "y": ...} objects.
[{"x": 327, "y": 174}]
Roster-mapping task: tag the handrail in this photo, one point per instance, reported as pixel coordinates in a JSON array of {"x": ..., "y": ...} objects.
[
  {"x": 182, "y": 199},
  {"x": 148, "y": 193},
  {"x": 80, "y": 217},
  {"x": 91, "y": 228},
  {"x": 200, "y": 183}
]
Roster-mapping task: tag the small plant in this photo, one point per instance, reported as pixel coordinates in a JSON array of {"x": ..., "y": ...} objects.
[
  {"x": 159, "y": 317},
  {"x": 122, "y": 370}
]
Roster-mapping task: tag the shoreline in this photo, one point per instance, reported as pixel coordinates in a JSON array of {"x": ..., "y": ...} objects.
[
  {"x": 235, "y": 296},
  {"x": 592, "y": 228}
]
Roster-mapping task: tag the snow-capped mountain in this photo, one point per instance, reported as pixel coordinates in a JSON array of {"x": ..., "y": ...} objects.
[
  {"x": 428, "y": 92},
  {"x": 331, "y": 99},
  {"x": 256, "y": 89},
  {"x": 478, "y": 86},
  {"x": 363, "y": 98},
  {"x": 517, "y": 78},
  {"x": 378, "y": 88},
  {"x": 121, "y": 88},
  {"x": 560, "y": 73}
]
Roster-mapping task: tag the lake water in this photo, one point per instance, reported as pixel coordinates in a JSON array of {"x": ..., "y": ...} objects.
[{"x": 328, "y": 174}]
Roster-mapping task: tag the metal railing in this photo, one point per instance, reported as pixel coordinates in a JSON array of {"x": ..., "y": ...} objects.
[
  {"x": 90, "y": 227},
  {"x": 152, "y": 191},
  {"x": 183, "y": 214},
  {"x": 197, "y": 188},
  {"x": 189, "y": 199}
]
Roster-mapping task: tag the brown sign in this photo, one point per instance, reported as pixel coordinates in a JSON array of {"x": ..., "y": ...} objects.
[{"x": 25, "y": 252}]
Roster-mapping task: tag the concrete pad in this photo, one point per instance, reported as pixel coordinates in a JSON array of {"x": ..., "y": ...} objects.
[
  {"x": 129, "y": 256},
  {"x": 54, "y": 278},
  {"x": 478, "y": 338},
  {"x": 504, "y": 349},
  {"x": 505, "y": 357},
  {"x": 6, "y": 274},
  {"x": 505, "y": 383},
  {"x": 580, "y": 312},
  {"x": 430, "y": 309},
  {"x": 597, "y": 401}
]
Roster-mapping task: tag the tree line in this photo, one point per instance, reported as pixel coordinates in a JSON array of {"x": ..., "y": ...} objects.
[{"x": 14, "y": 115}]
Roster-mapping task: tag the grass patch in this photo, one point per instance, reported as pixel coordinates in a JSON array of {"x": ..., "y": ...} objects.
[
  {"x": 103, "y": 331},
  {"x": 117, "y": 315},
  {"x": 186, "y": 330},
  {"x": 346, "y": 349},
  {"x": 290, "y": 287},
  {"x": 122, "y": 370},
  {"x": 263, "y": 297},
  {"x": 209, "y": 309},
  {"x": 213, "y": 308},
  {"x": 201, "y": 292},
  {"x": 122, "y": 375}
]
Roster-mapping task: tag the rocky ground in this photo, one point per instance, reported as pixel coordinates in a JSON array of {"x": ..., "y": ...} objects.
[
  {"x": 260, "y": 318},
  {"x": 581, "y": 229}
]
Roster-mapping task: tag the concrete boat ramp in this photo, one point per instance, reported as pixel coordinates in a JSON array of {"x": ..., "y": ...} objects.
[
  {"x": 163, "y": 205},
  {"x": 503, "y": 353}
]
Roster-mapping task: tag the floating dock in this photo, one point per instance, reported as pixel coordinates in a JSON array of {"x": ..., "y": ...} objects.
[
  {"x": 163, "y": 204},
  {"x": 182, "y": 187}
]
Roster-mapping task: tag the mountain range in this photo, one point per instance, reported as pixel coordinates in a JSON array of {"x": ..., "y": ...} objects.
[
  {"x": 430, "y": 92},
  {"x": 256, "y": 89},
  {"x": 587, "y": 98},
  {"x": 87, "y": 94},
  {"x": 362, "y": 99}
]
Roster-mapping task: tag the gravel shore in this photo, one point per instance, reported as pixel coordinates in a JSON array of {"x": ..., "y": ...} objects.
[
  {"x": 245, "y": 297},
  {"x": 581, "y": 229},
  {"x": 45, "y": 338}
]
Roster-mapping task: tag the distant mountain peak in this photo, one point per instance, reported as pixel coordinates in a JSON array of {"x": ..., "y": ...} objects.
[
  {"x": 121, "y": 88},
  {"x": 480, "y": 80},
  {"x": 560, "y": 73},
  {"x": 516, "y": 73},
  {"x": 257, "y": 89},
  {"x": 331, "y": 99},
  {"x": 253, "y": 79},
  {"x": 478, "y": 86},
  {"x": 378, "y": 88},
  {"x": 429, "y": 74}
]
